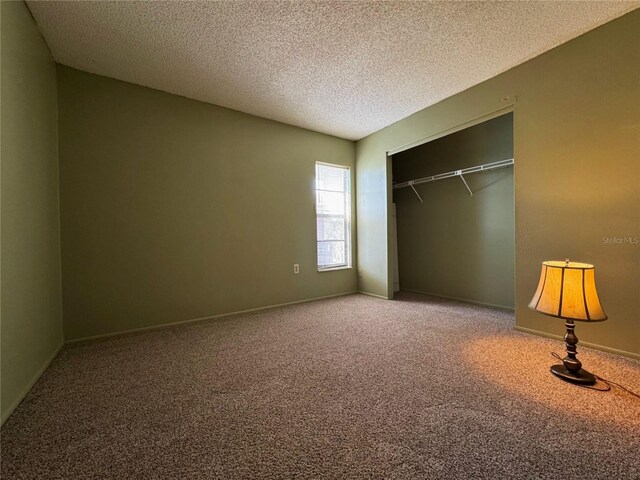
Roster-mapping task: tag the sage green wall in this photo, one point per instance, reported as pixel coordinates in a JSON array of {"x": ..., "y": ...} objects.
[
  {"x": 454, "y": 245},
  {"x": 31, "y": 325},
  {"x": 576, "y": 130},
  {"x": 173, "y": 209}
]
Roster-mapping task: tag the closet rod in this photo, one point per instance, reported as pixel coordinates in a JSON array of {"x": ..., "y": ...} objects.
[{"x": 456, "y": 173}]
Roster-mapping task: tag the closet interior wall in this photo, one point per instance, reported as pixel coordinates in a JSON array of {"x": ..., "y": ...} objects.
[{"x": 454, "y": 245}]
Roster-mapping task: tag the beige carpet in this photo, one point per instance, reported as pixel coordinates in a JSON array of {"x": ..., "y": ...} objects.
[{"x": 352, "y": 387}]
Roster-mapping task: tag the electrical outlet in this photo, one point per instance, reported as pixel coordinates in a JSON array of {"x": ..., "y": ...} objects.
[{"x": 296, "y": 268}]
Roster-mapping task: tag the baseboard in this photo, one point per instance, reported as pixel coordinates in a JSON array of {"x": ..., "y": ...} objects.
[
  {"x": 6, "y": 414},
  {"x": 595, "y": 346},
  {"x": 372, "y": 295},
  {"x": 201, "y": 319},
  {"x": 457, "y": 299}
]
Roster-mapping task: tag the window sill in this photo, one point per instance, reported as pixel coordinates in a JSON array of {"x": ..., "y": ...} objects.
[{"x": 333, "y": 269}]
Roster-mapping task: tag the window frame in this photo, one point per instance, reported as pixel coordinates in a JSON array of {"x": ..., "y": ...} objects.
[{"x": 347, "y": 218}]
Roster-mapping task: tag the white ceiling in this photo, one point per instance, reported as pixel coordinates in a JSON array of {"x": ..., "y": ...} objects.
[{"x": 342, "y": 68}]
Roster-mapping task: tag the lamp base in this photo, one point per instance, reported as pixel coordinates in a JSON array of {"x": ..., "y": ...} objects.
[{"x": 581, "y": 377}]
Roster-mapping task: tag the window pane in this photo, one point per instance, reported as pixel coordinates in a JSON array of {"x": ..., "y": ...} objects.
[
  {"x": 331, "y": 228},
  {"x": 331, "y": 253},
  {"x": 333, "y": 208},
  {"x": 331, "y": 203},
  {"x": 330, "y": 178}
]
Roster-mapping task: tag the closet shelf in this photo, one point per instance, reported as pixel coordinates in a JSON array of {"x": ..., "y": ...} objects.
[{"x": 455, "y": 173}]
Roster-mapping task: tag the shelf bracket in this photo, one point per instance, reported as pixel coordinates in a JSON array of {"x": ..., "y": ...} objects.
[
  {"x": 459, "y": 173},
  {"x": 415, "y": 191}
]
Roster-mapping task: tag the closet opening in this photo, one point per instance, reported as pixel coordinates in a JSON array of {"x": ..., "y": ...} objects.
[{"x": 453, "y": 215}]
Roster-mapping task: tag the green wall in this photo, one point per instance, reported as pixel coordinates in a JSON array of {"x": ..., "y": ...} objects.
[
  {"x": 31, "y": 322},
  {"x": 454, "y": 245},
  {"x": 577, "y": 124},
  {"x": 173, "y": 209}
]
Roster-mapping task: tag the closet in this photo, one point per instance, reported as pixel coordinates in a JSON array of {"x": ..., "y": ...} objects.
[{"x": 454, "y": 215}]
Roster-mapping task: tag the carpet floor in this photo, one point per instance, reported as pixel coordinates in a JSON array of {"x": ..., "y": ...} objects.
[{"x": 350, "y": 387}]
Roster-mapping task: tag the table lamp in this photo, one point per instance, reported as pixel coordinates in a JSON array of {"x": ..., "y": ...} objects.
[{"x": 567, "y": 290}]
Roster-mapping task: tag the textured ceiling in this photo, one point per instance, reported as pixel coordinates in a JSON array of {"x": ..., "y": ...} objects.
[{"x": 342, "y": 68}]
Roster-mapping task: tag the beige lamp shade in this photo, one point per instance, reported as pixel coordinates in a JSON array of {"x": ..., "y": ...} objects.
[{"x": 568, "y": 290}]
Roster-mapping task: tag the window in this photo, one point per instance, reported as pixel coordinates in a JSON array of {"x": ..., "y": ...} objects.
[{"x": 333, "y": 216}]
